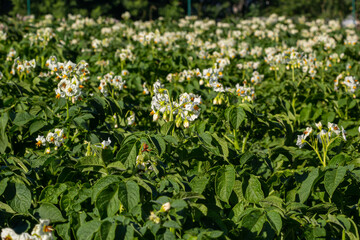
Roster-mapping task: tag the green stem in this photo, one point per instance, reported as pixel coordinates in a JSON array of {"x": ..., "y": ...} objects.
[
  {"x": 244, "y": 142},
  {"x": 67, "y": 118},
  {"x": 317, "y": 152},
  {"x": 67, "y": 110},
  {"x": 236, "y": 143},
  {"x": 275, "y": 75}
]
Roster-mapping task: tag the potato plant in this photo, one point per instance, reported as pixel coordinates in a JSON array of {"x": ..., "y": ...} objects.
[{"x": 191, "y": 129}]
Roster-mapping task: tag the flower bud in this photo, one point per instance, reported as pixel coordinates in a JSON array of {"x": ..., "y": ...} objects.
[
  {"x": 156, "y": 116},
  {"x": 215, "y": 101},
  {"x": 166, "y": 116},
  {"x": 186, "y": 123},
  {"x": 165, "y": 207},
  {"x": 178, "y": 121}
]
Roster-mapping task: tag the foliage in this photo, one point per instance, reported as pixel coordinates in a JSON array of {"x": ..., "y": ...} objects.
[{"x": 179, "y": 129}]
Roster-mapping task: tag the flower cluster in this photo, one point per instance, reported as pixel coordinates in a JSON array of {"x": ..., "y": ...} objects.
[
  {"x": 186, "y": 109},
  {"x": 325, "y": 138},
  {"x": 71, "y": 77},
  {"x": 351, "y": 84},
  {"x": 125, "y": 54},
  {"x": 115, "y": 82},
  {"x": 247, "y": 94},
  {"x": 184, "y": 75},
  {"x": 22, "y": 66},
  {"x": 57, "y": 138},
  {"x": 41, "y": 231},
  {"x": 41, "y": 37},
  {"x": 12, "y": 53}
]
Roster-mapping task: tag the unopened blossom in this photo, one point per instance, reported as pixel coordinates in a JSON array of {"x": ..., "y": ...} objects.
[{"x": 165, "y": 207}]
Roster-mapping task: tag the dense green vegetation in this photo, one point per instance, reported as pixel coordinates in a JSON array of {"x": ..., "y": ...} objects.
[{"x": 188, "y": 129}]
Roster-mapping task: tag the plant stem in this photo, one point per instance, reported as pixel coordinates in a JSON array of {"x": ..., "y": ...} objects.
[
  {"x": 244, "y": 142},
  {"x": 67, "y": 111},
  {"x": 236, "y": 143}
]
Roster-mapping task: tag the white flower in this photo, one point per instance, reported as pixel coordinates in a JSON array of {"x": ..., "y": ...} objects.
[
  {"x": 9, "y": 234},
  {"x": 126, "y": 15},
  {"x": 319, "y": 125},
  {"x": 321, "y": 134},
  {"x": 105, "y": 143},
  {"x": 333, "y": 128},
  {"x": 26, "y": 236},
  {"x": 40, "y": 140},
  {"x": 307, "y": 132},
  {"x": 124, "y": 72},
  {"x": 300, "y": 141},
  {"x": 43, "y": 230},
  {"x": 51, "y": 137}
]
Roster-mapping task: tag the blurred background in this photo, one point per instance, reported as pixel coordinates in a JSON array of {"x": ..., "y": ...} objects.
[{"x": 174, "y": 9}]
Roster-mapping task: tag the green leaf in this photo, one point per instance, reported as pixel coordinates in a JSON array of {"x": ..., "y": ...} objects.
[
  {"x": 305, "y": 113},
  {"x": 87, "y": 230},
  {"x": 169, "y": 235},
  {"x": 129, "y": 194},
  {"x": 333, "y": 178},
  {"x": 6, "y": 208},
  {"x": 3, "y": 184},
  {"x": 101, "y": 184},
  {"x": 315, "y": 233},
  {"x": 307, "y": 185},
  {"x": 108, "y": 202},
  {"x": 214, "y": 234},
  {"x": 159, "y": 143},
  {"x": 171, "y": 224},
  {"x": 254, "y": 221},
  {"x": 253, "y": 191},
  {"x": 128, "y": 153},
  {"x": 49, "y": 211},
  {"x": 36, "y": 126},
  {"x": 236, "y": 117},
  {"x": 133, "y": 192},
  {"x": 51, "y": 194},
  {"x": 223, "y": 144},
  {"x": 22, "y": 118},
  {"x": 3, "y": 137},
  {"x": 117, "y": 165},
  {"x": 63, "y": 230},
  {"x": 167, "y": 127},
  {"x": 22, "y": 200},
  {"x": 107, "y": 230},
  {"x": 198, "y": 183},
  {"x": 89, "y": 161},
  {"x": 224, "y": 182},
  {"x": 275, "y": 221}
]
